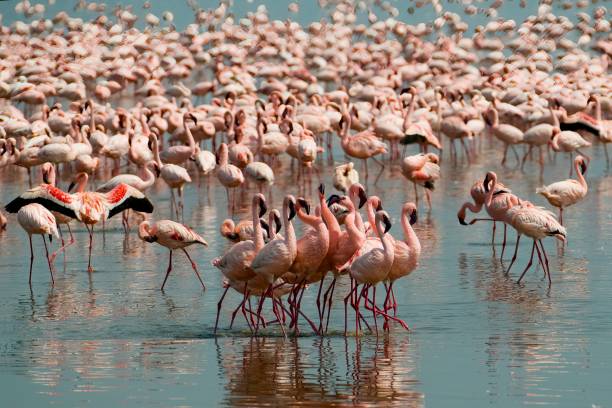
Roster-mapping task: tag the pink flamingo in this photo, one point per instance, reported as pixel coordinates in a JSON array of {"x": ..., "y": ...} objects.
[
  {"x": 36, "y": 219},
  {"x": 172, "y": 235},
  {"x": 567, "y": 192},
  {"x": 88, "y": 207},
  {"x": 406, "y": 253},
  {"x": 235, "y": 264}
]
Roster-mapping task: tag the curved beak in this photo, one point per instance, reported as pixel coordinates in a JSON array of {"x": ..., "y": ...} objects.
[
  {"x": 304, "y": 204},
  {"x": 363, "y": 198},
  {"x": 291, "y": 209},
  {"x": 333, "y": 199},
  {"x": 413, "y": 217},
  {"x": 387, "y": 223},
  {"x": 265, "y": 226},
  {"x": 71, "y": 186},
  {"x": 262, "y": 208},
  {"x": 278, "y": 223},
  {"x": 379, "y": 206},
  {"x": 583, "y": 167},
  {"x": 485, "y": 183},
  {"x": 461, "y": 220},
  {"x": 322, "y": 189}
]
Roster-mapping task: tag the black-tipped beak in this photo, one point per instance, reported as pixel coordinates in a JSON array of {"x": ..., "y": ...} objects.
[
  {"x": 387, "y": 223},
  {"x": 46, "y": 177},
  {"x": 413, "y": 217},
  {"x": 262, "y": 208},
  {"x": 50, "y": 238},
  {"x": 291, "y": 210},
  {"x": 151, "y": 238},
  {"x": 461, "y": 220},
  {"x": 583, "y": 167},
  {"x": 265, "y": 226},
  {"x": 363, "y": 198},
  {"x": 304, "y": 204},
  {"x": 71, "y": 186},
  {"x": 379, "y": 207},
  {"x": 485, "y": 183},
  {"x": 334, "y": 198},
  {"x": 192, "y": 117},
  {"x": 322, "y": 189},
  {"x": 278, "y": 223}
]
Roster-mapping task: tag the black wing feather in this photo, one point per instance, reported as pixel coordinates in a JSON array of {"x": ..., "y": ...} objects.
[
  {"x": 15, "y": 205},
  {"x": 412, "y": 138},
  {"x": 575, "y": 126},
  {"x": 132, "y": 203}
]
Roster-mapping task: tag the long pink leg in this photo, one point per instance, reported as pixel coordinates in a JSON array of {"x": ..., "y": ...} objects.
[
  {"x": 546, "y": 262},
  {"x": 320, "y": 311},
  {"x": 62, "y": 249},
  {"x": 374, "y": 309},
  {"x": 219, "y": 307},
  {"x": 346, "y": 300},
  {"x": 329, "y": 304},
  {"x": 31, "y": 259},
  {"x": 89, "y": 267},
  {"x": 504, "y": 243},
  {"x": 195, "y": 268},
  {"x": 167, "y": 271},
  {"x": 529, "y": 264},
  {"x": 48, "y": 261},
  {"x": 518, "y": 238}
]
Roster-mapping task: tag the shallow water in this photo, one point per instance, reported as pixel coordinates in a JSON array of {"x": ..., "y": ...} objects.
[{"x": 477, "y": 338}]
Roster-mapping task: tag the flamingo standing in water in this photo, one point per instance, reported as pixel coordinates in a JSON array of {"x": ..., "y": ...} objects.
[
  {"x": 371, "y": 267},
  {"x": 422, "y": 169},
  {"x": 36, "y": 219},
  {"x": 88, "y": 207},
  {"x": 567, "y": 192},
  {"x": 173, "y": 236},
  {"x": 235, "y": 264},
  {"x": 406, "y": 254}
]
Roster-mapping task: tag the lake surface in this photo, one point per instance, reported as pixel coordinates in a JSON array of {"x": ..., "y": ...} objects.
[{"x": 477, "y": 339}]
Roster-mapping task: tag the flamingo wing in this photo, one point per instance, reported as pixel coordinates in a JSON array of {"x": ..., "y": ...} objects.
[
  {"x": 48, "y": 196},
  {"x": 124, "y": 197}
]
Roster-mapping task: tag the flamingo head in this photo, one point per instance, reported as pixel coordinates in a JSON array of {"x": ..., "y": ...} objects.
[
  {"x": 290, "y": 200},
  {"x": 583, "y": 164},
  {"x": 302, "y": 203},
  {"x": 384, "y": 217},
  {"x": 410, "y": 209},
  {"x": 260, "y": 200},
  {"x": 490, "y": 176},
  {"x": 265, "y": 226}
]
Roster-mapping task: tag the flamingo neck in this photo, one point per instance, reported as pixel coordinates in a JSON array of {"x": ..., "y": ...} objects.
[
  {"x": 258, "y": 238},
  {"x": 408, "y": 117},
  {"x": 332, "y": 223},
  {"x": 489, "y": 197},
  {"x": 495, "y": 118},
  {"x": 579, "y": 175},
  {"x": 156, "y": 151},
  {"x": 289, "y": 231},
  {"x": 410, "y": 237}
]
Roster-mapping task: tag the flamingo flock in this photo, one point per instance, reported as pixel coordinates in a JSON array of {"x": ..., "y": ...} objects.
[{"x": 114, "y": 110}]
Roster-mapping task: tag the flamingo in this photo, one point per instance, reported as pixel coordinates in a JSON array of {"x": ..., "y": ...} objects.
[
  {"x": 345, "y": 175},
  {"x": 508, "y": 134},
  {"x": 236, "y": 263},
  {"x": 422, "y": 169},
  {"x": 363, "y": 145},
  {"x": 174, "y": 175},
  {"x": 568, "y": 192},
  {"x": 372, "y": 266},
  {"x": 36, "y": 219},
  {"x": 537, "y": 223},
  {"x": 171, "y": 235},
  {"x": 406, "y": 253},
  {"x": 88, "y": 207},
  {"x": 228, "y": 175},
  {"x": 277, "y": 256}
]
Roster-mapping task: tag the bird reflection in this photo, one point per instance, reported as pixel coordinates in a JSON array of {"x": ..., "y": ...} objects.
[{"x": 264, "y": 371}]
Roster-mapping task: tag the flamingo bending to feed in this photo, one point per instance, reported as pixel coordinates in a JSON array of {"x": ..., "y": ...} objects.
[
  {"x": 567, "y": 192},
  {"x": 88, "y": 207},
  {"x": 173, "y": 236},
  {"x": 36, "y": 219}
]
